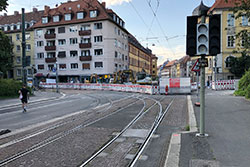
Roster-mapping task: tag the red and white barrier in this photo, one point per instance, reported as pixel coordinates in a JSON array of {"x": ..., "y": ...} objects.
[
  {"x": 175, "y": 85},
  {"x": 223, "y": 85},
  {"x": 114, "y": 87}
]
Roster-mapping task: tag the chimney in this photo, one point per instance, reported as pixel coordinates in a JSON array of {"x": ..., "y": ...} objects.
[
  {"x": 16, "y": 13},
  {"x": 104, "y": 4},
  {"x": 46, "y": 8},
  {"x": 35, "y": 10}
]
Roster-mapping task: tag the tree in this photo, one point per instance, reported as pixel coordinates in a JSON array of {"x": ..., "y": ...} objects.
[
  {"x": 3, "y": 5},
  {"x": 5, "y": 53}
]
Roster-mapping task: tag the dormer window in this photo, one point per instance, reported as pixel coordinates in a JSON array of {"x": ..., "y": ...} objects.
[
  {"x": 45, "y": 20},
  {"x": 18, "y": 26},
  {"x": 80, "y": 15},
  {"x": 67, "y": 17},
  {"x": 12, "y": 27},
  {"x": 56, "y": 18},
  {"x": 93, "y": 13},
  {"x": 5, "y": 28}
]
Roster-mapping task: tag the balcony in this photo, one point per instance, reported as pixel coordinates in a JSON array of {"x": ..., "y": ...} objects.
[
  {"x": 85, "y": 58},
  {"x": 84, "y": 45},
  {"x": 50, "y": 48},
  {"x": 84, "y": 32},
  {"x": 50, "y": 60},
  {"x": 50, "y": 36}
]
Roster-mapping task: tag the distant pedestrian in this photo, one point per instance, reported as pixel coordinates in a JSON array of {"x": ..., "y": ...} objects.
[
  {"x": 208, "y": 84},
  {"x": 24, "y": 96}
]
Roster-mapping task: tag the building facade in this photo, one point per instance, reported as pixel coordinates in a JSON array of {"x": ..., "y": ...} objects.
[
  {"x": 80, "y": 38},
  {"x": 11, "y": 26}
]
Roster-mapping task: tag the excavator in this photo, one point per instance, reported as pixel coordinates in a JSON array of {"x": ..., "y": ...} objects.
[{"x": 124, "y": 76}]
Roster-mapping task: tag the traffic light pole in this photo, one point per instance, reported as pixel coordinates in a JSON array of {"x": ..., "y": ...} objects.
[
  {"x": 202, "y": 93},
  {"x": 24, "y": 49}
]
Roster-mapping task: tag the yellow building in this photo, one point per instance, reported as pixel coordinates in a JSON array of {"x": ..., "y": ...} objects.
[
  {"x": 229, "y": 28},
  {"x": 11, "y": 26},
  {"x": 141, "y": 59}
]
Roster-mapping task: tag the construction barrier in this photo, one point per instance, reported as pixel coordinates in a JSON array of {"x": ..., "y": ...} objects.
[
  {"x": 175, "y": 85},
  {"x": 148, "y": 89},
  {"x": 223, "y": 85}
]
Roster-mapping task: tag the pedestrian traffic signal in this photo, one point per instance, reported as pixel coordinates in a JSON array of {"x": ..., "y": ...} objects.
[
  {"x": 202, "y": 39},
  {"x": 214, "y": 34},
  {"x": 191, "y": 35}
]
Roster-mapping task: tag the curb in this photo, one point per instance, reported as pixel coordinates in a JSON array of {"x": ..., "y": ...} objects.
[{"x": 173, "y": 155}]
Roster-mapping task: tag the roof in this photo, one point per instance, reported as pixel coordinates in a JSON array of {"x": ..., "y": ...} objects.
[
  {"x": 171, "y": 63},
  {"x": 184, "y": 59},
  {"x": 17, "y": 18},
  {"x": 200, "y": 9},
  {"x": 132, "y": 40},
  {"x": 74, "y": 7},
  {"x": 221, "y": 4}
]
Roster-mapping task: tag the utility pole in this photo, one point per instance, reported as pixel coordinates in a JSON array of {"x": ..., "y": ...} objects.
[{"x": 24, "y": 49}]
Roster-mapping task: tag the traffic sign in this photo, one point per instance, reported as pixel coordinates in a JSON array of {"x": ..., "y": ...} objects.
[
  {"x": 196, "y": 66},
  {"x": 54, "y": 69}
]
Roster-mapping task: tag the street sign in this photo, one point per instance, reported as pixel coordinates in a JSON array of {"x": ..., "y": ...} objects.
[
  {"x": 203, "y": 62},
  {"x": 196, "y": 66},
  {"x": 54, "y": 69}
]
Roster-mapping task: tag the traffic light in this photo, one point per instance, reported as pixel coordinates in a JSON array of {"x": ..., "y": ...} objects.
[
  {"x": 191, "y": 35},
  {"x": 202, "y": 39},
  {"x": 214, "y": 34}
]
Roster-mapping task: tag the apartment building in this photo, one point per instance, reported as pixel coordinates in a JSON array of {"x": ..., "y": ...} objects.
[
  {"x": 11, "y": 26},
  {"x": 140, "y": 58},
  {"x": 80, "y": 38}
]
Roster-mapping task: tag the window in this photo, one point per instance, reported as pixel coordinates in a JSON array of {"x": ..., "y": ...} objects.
[
  {"x": 61, "y": 30},
  {"x": 40, "y": 67},
  {"x": 40, "y": 55},
  {"x": 45, "y": 20},
  {"x": 85, "y": 27},
  {"x": 230, "y": 41},
  {"x": 98, "y": 38},
  {"x": 50, "y": 43},
  {"x": 50, "y": 67},
  {"x": 50, "y": 31},
  {"x": 56, "y": 18},
  {"x": 18, "y": 26},
  {"x": 116, "y": 54},
  {"x": 39, "y": 32},
  {"x": 73, "y": 41},
  {"x": 61, "y": 41},
  {"x": 29, "y": 72},
  {"x": 73, "y": 53},
  {"x": 18, "y": 48},
  {"x": 97, "y": 26},
  {"x": 123, "y": 57},
  {"x": 98, "y": 65},
  {"x": 62, "y": 66},
  {"x": 18, "y": 59},
  {"x": 244, "y": 21},
  {"x": 230, "y": 20},
  {"x": 17, "y": 37},
  {"x": 126, "y": 57},
  {"x": 72, "y": 28},
  {"x": 67, "y": 17},
  {"x": 28, "y": 47},
  {"x": 85, "y": 53},
  {"x": 85, "y": 40},
  {"x": 27, "y": 36},
  {"x": 61, "y": 54},
  {"x": 93, "y": 13},
  {"x": 98, "y": 52},
  {"x": 85, "y": 66},
  {"x": 80, "y": 15},
  {"x": 74, "y": 66},
  {"x": 27, "y": 25},
  {"x": 51, "y": 55},
  {"x": 18, "y": 72},
  {"x": 39, "y": 43},
  {"x": 228, "y": 59},
  {"x": 28, "y": 60}
]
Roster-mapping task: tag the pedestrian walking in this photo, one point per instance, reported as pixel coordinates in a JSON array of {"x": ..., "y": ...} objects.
[{"x": 24, "y": 96}]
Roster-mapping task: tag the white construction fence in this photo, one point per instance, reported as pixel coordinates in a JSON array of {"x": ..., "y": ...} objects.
[{"x": 224, "y": 85}]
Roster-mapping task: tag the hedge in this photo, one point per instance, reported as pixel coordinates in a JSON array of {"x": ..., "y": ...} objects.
[
  {"x": 244, "y": 86},
  {"x": 9, "y": 87}
]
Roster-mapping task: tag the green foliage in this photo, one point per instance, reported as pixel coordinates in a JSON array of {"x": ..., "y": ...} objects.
[
  {"x": 9, "y": 87},
  {"x": 6, "y": 59},
  {"x": 244, "y": 86},
  {"x": 3, "y": 5}
]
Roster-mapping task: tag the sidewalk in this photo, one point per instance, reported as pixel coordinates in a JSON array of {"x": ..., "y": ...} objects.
[
  {"x": 227, "y": 122},
  {"x": 38, "y": 96}
]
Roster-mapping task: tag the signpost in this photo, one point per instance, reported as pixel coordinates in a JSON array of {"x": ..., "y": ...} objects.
[{"x": 196, "y": 68}]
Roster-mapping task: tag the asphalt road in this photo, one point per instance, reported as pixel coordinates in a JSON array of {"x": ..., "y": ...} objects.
[{"x": 67, "y": 131}]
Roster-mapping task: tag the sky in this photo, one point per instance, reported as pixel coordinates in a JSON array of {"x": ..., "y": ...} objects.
[{"x": 157, "y": 24}]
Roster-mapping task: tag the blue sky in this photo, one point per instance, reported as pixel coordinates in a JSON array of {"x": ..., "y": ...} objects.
[{"x": 163, "y": 34}]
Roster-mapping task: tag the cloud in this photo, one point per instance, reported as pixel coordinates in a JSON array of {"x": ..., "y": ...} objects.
[
  {"x": 164, "y": 53},
  {"x": 114, "y": 2}
]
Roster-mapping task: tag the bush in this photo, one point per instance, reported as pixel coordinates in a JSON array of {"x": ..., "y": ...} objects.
[
  {"x": 244, "y": 86},
  {"x": 247, "y": 95},
  {"x": 9, "y": 87}
]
